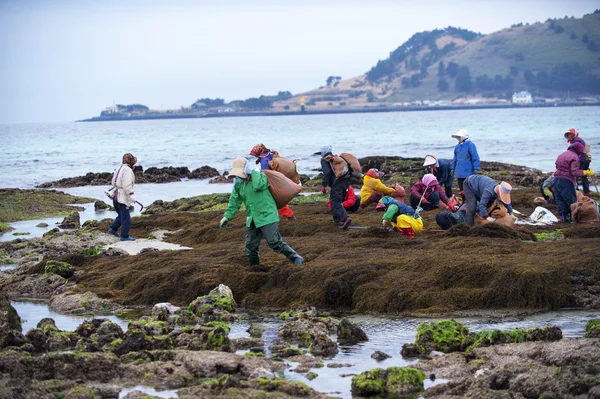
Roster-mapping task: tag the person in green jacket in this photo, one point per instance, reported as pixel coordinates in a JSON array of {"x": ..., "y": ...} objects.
[{"x": 252, "y": 188}]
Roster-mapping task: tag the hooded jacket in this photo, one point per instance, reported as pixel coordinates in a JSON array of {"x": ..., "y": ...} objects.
[
  {"x": 370, "y": 186},
  {"x": 124, "y": 179},
  {"x": 466, "y": 160},
  {"x": 567, "y": 163},
  {"x": 255, "y": 194},
  {"x": 417, "y": 190}
]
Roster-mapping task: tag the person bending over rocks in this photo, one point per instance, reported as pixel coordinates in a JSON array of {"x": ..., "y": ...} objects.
[
  {"x": 480, "y": 193},
  {"x": 401, "y": 217},
  {"x": 442, "y": 170},
  {"x": 373, "y": 189},
  {"x": 123, "y": 196},
  {"x": 251, "y": 187}
]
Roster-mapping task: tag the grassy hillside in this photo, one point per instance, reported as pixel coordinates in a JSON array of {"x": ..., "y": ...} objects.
[{"x": 549, "y": 59}]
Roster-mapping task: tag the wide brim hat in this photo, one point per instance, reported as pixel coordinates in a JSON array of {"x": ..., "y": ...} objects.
[
  {"x": 503, "y": 191},
  {"x": 238, "y": 166},
  {"x": 430, "y": 160},
  {"x": 461, "y": 135}
]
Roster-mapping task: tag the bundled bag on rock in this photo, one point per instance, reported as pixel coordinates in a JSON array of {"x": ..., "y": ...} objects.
[
  {"x": 499, "y": 212},
  {"x": 285, "y": 166},
  {"x": 585, "y": 210},
  {"x": 282, "y": 189}
]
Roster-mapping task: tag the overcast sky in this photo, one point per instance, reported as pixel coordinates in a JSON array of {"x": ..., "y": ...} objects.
[{"x": 68, "y": 60}]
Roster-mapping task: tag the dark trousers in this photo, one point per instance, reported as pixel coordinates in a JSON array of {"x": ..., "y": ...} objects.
[
  {"x": 471, "y": 204},
  {"x": 461, "y": 183},
  {"x": 123, "y": 219},
  {"x": 564, "y": 196},
  {"x": 336, "y": 196},
  {"x": 585, "y": 182},
  {"x": 354, "y": 208},
  {"x": 271, "y": 233},
  {"x": 433, "y": 202},
  {"x": 448, "y": 186}
]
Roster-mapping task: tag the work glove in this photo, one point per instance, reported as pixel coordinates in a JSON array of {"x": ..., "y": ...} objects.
[
  {"x": 424, "y": 201},
  {"x": 223, "y": 223},
  {"x": 490, "y": 219},
  {"x": 386, "y": 224},
  {"x": 452, "y": 207},
  {"x": 324, "y": 189},
  {"x": 588, "y": 172},
  {"x": 248, "y": 168}
]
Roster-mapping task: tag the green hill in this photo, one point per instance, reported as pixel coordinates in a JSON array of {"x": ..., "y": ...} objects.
[{"x": 557, "y": 58}]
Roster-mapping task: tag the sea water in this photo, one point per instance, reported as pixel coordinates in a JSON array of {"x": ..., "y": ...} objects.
[{"x": 31, "y": 154}]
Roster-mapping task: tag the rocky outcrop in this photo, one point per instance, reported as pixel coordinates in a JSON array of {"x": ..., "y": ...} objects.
[
  {"x": 88, "y": 302},
  {"x": 323, "y": 346},
  {"x": 592, "y": 328},
  {"x": 71, "y": 221},
  {"x": 63, "y": 269},
  {"x": 393, "y": 382},
  {"x": 10, "y": 324},
  {"x": 348, "y": 333}
]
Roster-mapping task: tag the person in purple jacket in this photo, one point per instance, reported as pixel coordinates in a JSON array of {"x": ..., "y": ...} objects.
[
  {"x": 572, "y": 136},
  {"x": 567, "y": 171}
]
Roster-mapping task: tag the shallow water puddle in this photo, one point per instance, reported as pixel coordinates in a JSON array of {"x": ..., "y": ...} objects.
[
  {"x": 5, "y": 268},
  {"x": 149, "y": 391}
]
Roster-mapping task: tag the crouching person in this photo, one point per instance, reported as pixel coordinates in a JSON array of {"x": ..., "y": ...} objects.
[
  {"x": 481, "y": 192},
  {"x": 251, "y": 187},
  {"x": 351, "y": 201},
  {"x": 401, "y": 217},
  {"x": 429, "y": 193},
  {"x": 373, "y": 189}
]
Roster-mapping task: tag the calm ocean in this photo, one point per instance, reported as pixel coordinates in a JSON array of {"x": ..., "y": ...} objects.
[{"x": 31, "y": 154}]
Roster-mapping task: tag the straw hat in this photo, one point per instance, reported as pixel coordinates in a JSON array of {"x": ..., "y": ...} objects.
[
  {"x": 503, "y": 191},
  {"x": 239, "y": 164}
]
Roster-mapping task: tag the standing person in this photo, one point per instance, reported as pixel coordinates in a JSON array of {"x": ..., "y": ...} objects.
[
  {"x": 429, "y": 193},
  {"x": 567, "y": 171},
  {"x": 572, "y": 136},
  {"x": 442, "y": 170},
  {"x": 484, "y": 190},
  {"x": 123, "y": 196},
  {"x": 339, "y": 186},
  {"x": 401, "y": 217},
  {"x": 466, "y": 160},
  {"x": 373, "y": 189},
  {"x": 264, "y": 155},
  {"x": 251, "y": 187}
]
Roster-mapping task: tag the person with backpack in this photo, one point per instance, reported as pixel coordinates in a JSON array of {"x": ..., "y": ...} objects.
[
  {"x": 123, "y": 196},
  {"x": 251, "y": 187},
  {"x": 442, "y": 170},
  {"x": 585, "y": 157},
  {"x": 400, "y": 217},
  {"x": 480, "y": 193},
  {"x": 567, "y": 170},
  {"x": 263, "y": 157},
  {"x": 466, "y": 160},
  {"x": 428, "y": 193},
  {"x": 373, "y": 189},
  {"x": 337, "y": 173}
]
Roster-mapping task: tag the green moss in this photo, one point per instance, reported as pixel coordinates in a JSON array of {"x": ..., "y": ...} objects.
[
  {"x": 401, "y": 376},
  {"x": 91, "y": 251},
  {"x": 224, "y": 303},
  {"x": 549, "y": 236},
  {"x": 311, "y": 375},
  {"x": 5, "y": 227},
  {"x": 215, "y": 340},
  {"x": 63, "y": 269},
  {"x": 368, "y": 383},
  {"x": 309, "y": 199},
  {"x": 21, "y": 234},
  {"x": 288, "y": 352},
  {"x": 283, "y": 316},
  {"x": 592, "y": 328},
  {"x": 5, "y": 260},
  {"x": 117, "y": 342},
  {"x": 445, "y": 336},
  {"x": 494, "y": 337}
]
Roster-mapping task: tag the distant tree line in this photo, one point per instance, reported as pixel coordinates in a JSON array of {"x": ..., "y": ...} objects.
[
  {"x": 254, "y": 103},
  {"x": 131, "y": 108}
]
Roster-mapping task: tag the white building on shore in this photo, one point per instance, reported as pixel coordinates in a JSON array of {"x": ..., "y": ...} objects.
[{"x": 522, "y": 97}]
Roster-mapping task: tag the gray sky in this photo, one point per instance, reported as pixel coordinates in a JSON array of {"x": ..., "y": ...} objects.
[{"x": 68, "y": 60}]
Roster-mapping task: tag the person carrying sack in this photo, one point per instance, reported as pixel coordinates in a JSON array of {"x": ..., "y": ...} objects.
[
  {"x": 264, "y": 157},
  {"x": 123, "y": 196},
  {"x": 442, "y": 170},
  {"x": 251, "y": 187},
  {"x": 336, "y": 174},
  {"x": 373, "y": 189},
  {"x": 480, "y": 193}
]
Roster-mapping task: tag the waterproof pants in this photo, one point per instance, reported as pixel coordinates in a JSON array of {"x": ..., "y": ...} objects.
[
  {"x": 461, "y": 183},
  {"x": 585, "y": 182},
  {"x": 564, "y": 196},
  {"x": 336, "y": 196},
  {"x": 434, "y": 202},
  {"x": 448, "y": 186},
  {"x": 354, "y": 208},
  {"x": 123, "y": 219},
  {"x": 271, "y": 233},
  {"x": 471, "y": 204},
  {"x": 373, "y": 199}
]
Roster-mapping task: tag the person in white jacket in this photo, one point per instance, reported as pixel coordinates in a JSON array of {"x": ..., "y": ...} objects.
[{"x": 123, "y": 196}]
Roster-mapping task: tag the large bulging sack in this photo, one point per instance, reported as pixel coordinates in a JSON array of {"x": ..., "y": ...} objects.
[
  {"x": 585, "y": 210},
  {"x": 282, "y": 189},
  {"x": 354, "y": 169},
  {"x": 399, "y": 192},
  {"x": 499, "y": 212},
  {"x": 285, "y": 166}
]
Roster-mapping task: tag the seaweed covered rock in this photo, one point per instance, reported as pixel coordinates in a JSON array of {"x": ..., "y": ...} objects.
[
  {"x": 592, "y": 328},
  {"x": 63, "y": 269},
  {"x": 348, "y": 333},
  {"x": 444, "y": 336},
  {"x": 203, "y": 338},
  {"x": 46, "y": 337},
  {"x": 71, "y": 221},
  {"x": 302, "y": 331},
  {"x": 380, "y": 356},
  {"x": 165, "y": 311},
  {"x": 494, "y": 337},
  {"x": 393, "y": 382},
  {"x": 88, "y": 302},
  {"x": 323, "y": 346},
  {"x": 218, "y": 305},
  {"x": 256, "y": 331},
  {"x": 10, "y": 324}
]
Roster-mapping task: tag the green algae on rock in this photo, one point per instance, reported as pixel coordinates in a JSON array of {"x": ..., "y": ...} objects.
[
  {"x": 393, "y": 382},
  {"x": 63, "y": 269},
  {"x": 444, "y": 336},
  {"x": 17, "y": 204},
  {"x": 592, "y": 328}
]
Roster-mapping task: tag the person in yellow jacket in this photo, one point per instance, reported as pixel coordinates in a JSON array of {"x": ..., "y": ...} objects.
[{"x": 373, "y": 189}]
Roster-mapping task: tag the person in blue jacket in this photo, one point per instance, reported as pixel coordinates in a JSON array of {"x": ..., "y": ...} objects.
[
  {"x": 481, "y": 192},
  {"x": 442, "y": 170},
  {"x": 466, "y": 160}
]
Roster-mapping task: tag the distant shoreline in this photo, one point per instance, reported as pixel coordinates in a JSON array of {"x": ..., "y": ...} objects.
[{"x": 151, "y": 116}]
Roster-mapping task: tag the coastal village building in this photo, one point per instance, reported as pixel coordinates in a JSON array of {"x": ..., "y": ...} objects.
[{"x": 523, "y": 97}]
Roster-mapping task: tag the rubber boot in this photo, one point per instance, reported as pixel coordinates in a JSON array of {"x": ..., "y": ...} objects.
[
  {"x": 408, "y": 232},
  {"x": 462, "y": 195}
]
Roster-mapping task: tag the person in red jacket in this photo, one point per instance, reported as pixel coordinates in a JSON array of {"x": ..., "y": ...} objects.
[
  {"x": 351, "y": 201},
  {"x": 431, "y": 193}
]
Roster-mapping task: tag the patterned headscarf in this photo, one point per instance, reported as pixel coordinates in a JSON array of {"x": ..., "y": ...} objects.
[
  {"x": 129, "y": 159},
  {"x": 257, "y": 150}
]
